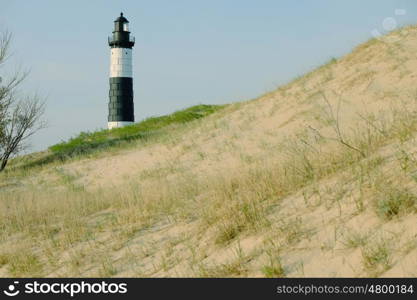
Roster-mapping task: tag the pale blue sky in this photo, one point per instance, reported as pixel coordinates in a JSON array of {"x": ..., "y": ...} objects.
[{"x": 187, "y": 52}]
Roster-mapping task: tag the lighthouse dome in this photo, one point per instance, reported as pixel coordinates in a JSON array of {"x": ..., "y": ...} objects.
[
  {"x": 121, "y": 19},
  {"x": 121, "y": 24}
]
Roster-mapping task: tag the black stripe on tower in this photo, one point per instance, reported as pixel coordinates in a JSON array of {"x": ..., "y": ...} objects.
[{"x": 121, "y": 107}]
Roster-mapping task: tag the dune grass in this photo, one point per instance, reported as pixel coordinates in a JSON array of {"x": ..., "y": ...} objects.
[
  {"x": 228, "y": 206},
  {"x": 70, "y": 230},
  {"x": 86, "y": 142}
]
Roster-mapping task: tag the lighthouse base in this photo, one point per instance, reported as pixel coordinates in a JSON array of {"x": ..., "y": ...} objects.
[{"x": 111, "y": 125}]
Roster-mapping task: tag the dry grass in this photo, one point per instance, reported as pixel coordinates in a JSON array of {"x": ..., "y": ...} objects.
[
  {"x": 392, "y": 201},
  {"x": 216, "y": 183},
  {"x": 230, "y": 206},
  {"x": 377, "y": 257},
  {"x": 355, "y": 240}
]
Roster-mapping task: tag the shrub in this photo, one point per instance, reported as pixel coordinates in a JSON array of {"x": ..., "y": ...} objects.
[{"x": 394, "y": 201}]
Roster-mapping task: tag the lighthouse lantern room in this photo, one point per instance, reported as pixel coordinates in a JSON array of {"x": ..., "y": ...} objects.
[{"x": 121, "y": 108}]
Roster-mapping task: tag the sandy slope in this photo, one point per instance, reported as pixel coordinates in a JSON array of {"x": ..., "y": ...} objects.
[
  {"x": 311, "y": 227},
  {"x": 369, "y": 80}
]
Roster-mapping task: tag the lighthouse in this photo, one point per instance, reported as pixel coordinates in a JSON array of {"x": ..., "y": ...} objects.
[{"x": 121, "y": 109}]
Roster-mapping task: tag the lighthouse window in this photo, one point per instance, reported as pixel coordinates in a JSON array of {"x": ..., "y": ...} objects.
[{"x": 125, "y": 27}]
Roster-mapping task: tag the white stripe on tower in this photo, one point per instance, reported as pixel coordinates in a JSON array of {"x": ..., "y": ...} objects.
[{"x": 121, "y": 62}]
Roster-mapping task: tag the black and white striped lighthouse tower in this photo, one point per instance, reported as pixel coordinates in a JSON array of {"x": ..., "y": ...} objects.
[{"x": 121, "y": 112}]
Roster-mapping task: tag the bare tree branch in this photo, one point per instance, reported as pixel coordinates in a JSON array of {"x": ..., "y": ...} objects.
[
  {"x": 5, "y": 39},
  {"x": 19, "y": 118},
  {"x": 336, "y": 126}
]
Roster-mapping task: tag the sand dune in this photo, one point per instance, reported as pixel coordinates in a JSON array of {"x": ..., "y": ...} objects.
[{"x": 317, "y": 178}]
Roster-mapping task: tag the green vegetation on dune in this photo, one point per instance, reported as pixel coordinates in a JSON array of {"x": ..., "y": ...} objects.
[{"x": 88, "y": 142}]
